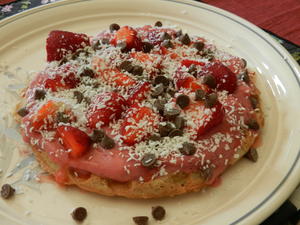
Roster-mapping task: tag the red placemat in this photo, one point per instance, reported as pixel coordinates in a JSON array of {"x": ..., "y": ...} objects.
[{"x": 277, "y": 16}]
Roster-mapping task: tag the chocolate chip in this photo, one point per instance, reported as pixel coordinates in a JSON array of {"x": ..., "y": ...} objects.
[
  {"x": 126, "y": 66},
  {"x": 164, "y": 130},
  {"x": 155, "y": 137},
  {"x": 158, "y": 24},
  {"x": 171, "y": 113},
  {"x": 171, "y": 92},
  {"x": 77, "y": 53},
  {"x": 188, "y": 148},
  {"x": 61, "y": 117},
  {"x": 113, "y": 27},
  {"x": 167, "y": 44},
  {"x": 185, "y": 39},
  {"x": 97, "y": 136},
  {"x": 158, "y": 212},
  {"x": 7, "y": 191},
  {"x": 200, "y": 95},
  {"x": 79, "y": 96},
  {"x": 252, "y": 155},
  {"x": 159, "y": 104},
  {"x": 140, "y": 220},
  {"x": 23, "y": 112},
  {"x": 39, "y": 94},
  {"x": 79, "y": 214},
  {"x": 161, "y": 80},
  {"x": 165, "y": 36},
  {"x": 96, "y": 45},
  {"x": 198, "y": 45},
  {"x": 183, "y": 101},
  {"x": 96, "y": 85},
  {"x": 87, "y": 72},
  {"x": 192, "y": 70},
  {"x": 209, "y": 80},
  {"x": 206, "y": 172},
  {"x": 148, "y": 160},
  {"x": 87, "y": 100},
  {"x": 244, "y": 63},
  {"x": 179, "y": 123},
  {"x": 244, "y": 77},
  {"x": 105, "y": 41},
  {"x": 252, "y": 124},
  {"x": 137, "y": 70},
  {"x": 254, "y": 101},
  {"x": 157, "y": 91},
  {"x": 107, "y": 142},
  {"x": 147, "y": 47},
  {"x": 211, "y": 100},
  {"x": 175, "y": 132},
  {"x": 123, "y": 46},
  {"x": 178, "y": 33},
  {"x": 63, "y": 61}
]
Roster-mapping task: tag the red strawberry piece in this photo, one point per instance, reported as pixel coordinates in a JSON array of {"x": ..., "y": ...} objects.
[
  {"x": 60, "y": 43},
  {"x": 225, "y": 78},
  {"x": 139, "y": 123},
  {"x": 235, "y": 64},
  {"x": 187, "y": 81},
  {"x": 138, "y": 93},
  {"x": 74, "y": 139},
  {"x": 120, "y": 79},
  {"x": 187, "y": 63},
  {"x": 129, "y": 35},
  {"x": 153, "y": 35},
  {"x": 104, "y": 108}
]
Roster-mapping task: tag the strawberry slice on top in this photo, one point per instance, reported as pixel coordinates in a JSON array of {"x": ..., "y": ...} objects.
[
  {"x": 60, "y": 43},
  {"x": 138, "y": 92},
  {"x": 129, "y": 36}
]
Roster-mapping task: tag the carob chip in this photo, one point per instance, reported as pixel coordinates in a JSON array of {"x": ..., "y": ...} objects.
[
  {"x": 96, "y": 45},
  {"x": 148, "y": 160},
  {"x": 39, "y": 94},
  {"x": 209, "y": 80},
  {"x": 244, "y": 77},
  {"x": 155, "y": 137},
  {"x": 254, "y": 101},
  {"x": 87, "y": 72},
  {"x": 158, "y": 212},
  {"x": 157, "y": 91},
  {"x": 126, "y": 66},
  {"x": 179, "y": 122},
  {"x": 188, "y": 148},
  {"x": 147, "y": 47},
  {"x": 97, "y": 136},
  {"x": 175, "y": 132},
  {"x": 252, "y": 155},
  {"x": 107, "y": 142},
  {"x": 206, "y": 173},
  {"x": 79, "y": 214},
  {"x": 252, "y": 124},
  {"x": 140, "y": 220},
  {"x": 185, "y": 39},
  {"x": 61, "y": 117},
  {"x": 105, "y": 41},
  {"x": 123, "y": 46},
  {"x": 7, "y": 191},
  {"x": 161, "y": 80},
  {"x": 164, "y": 130},
  {"x": 198, "y": 45},
  {"x": 137, "y": 70},
  {"x": 158, "y": 24},
  {"x": 171, "y": 113},
  {"x": 211, "y": 100},
  {"x": 23, "y": 112},
  {"x": 87, "y": 100},
  {"x": 159, "y": 104},
  {"x": 183, "y": 101},
  {"x": 192, "y": 70},
  {"x": 63, "y": 61},
  {"x": 79, "y": 96},
  {"x": 113, "y": 27},
  {"x": 171, "y": 92},
  {"x": 200, "y": 95},
  {"x": 165, "y": 36},
  {"x": 167, "y": 44},
  {"x": 178, "y": 33},
  {"x": 244, "y": 63}
]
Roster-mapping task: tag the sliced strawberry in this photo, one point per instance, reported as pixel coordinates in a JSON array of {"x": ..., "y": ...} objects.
[
  {"x": 138, "y": 93},
  {"x": 74, "y": 139},
  {"x": 139, "y": 123},
  {"x": 104, "y": 108},
  {"x": 60, "y": 43},
  {"x": 144, "y": 57},
  {"x": 153, "y": 35},
  {"x": 225, "y": 78},
  {"x": 187, "y": 81},
  {"x": 129, "y": 35},
  {"x": 187, "y": 63},
  {"x": 235, "y": 64}
]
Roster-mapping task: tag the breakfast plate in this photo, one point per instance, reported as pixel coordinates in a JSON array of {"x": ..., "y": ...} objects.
[{"x": 248, "y": 192}]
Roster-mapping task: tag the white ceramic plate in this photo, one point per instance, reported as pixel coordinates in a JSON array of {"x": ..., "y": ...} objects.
[{"x": 249, "y": 192}]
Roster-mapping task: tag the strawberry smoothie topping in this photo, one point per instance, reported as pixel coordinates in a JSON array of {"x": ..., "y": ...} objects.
[{"x": 139, "y": 103}]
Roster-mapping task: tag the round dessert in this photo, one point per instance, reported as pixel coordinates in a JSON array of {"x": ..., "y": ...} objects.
[{"x": 142, "y": 112}]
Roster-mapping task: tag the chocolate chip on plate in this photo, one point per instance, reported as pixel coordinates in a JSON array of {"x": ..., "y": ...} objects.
[
  {"x": 87, "y": 72},
  {"x": 157, "y": 91},
  {"x": 155, "y": 137},
  {"x": 192, "y": 70},
  {"x": 209, "y": 80},
  {"x": 254, "y": 101},
  {"x": 200, "y": 95},
  {"x": 252, "y": 155},
  {"x": 179, "y": 122},
  {"x": 165, "y": 36},
  {"x": 107, "y": 142},
  {"x": 161, "y": 80},
  {"x": 39, "y": 94},
  {"x": 79, "y": 96},
  {"x": 164, "y": 130},
  {"x": 252, "y": 124},
  {"x": 158, "y": 24},
  {"x": 211, "y": 100},
  {"x": 97, "y": 136},
  {"x": 61, "y": 117},
  {"x": 7, "y": 191},
  {"x": 185, "y": 39},
  {"x": 123, "y": 46},
  {"x": 105, "y": 41},
  {"x": 171, "y": 113},
  {"x": 158, "y": 212},
  {"x": 140, "y": 220},
  {"x": 79, "y": 214},
  {"x": 188, "y": 148},
  {"x": 96, "y": 45},
  {"x": 159, "y": 104},
  {"x": 63, "y": 61},
  {"x": 244, "y": 63},
  {"x": 126, "y": 66},
  {"x": 198, "y": 45},
  {"x": 22, "y": 112},
  {"x": 178, "y": 33},
  {"x": 148, "y": 160},
  {"x": 113, "y": 27},
  {"x": 137, "y": 70},
  {"x": 244, "y": 77},
  {"x": 183, "y": 101},
  {"x": 167, "y": 44},
  {"x": 175, "y": 132},
  {"x": 87, "y": 100},
  {"x": 206, "y": 172},
  {"x": 147, "y": 47}
]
